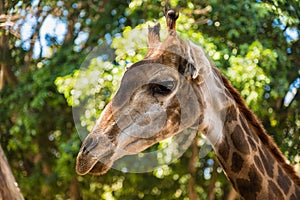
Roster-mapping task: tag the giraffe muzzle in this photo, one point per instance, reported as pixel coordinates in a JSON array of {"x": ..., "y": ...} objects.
[{"x": 95, "y": 155}]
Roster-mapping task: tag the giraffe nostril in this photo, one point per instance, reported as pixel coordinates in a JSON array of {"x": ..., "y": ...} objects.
[
  {"x": 84, "y": 150},
  {"x": 89, "y": 144}
]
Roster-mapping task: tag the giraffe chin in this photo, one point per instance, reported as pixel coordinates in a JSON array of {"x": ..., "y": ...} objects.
[{"x": 100, "y": 168}]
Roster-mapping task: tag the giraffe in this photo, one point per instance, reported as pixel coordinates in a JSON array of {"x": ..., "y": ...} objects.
[{"x": 174, "y": 69}]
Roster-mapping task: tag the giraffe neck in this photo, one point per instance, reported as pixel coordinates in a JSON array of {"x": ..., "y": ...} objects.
[
  {"x": 246, "y": 153},
  {"x": 252, "y": 169}
]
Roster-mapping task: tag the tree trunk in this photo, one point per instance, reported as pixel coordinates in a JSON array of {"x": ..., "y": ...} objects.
[
  {"x": 192, "y": 169},
  {"x": 74, "y": 190},
  {"x": 212, "y": 184},
  {"x": 6, "y": 74},
  {"x": 8, "y": 186}
]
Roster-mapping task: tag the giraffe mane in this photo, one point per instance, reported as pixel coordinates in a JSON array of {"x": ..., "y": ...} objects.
[{"x": 261, "y": 132}]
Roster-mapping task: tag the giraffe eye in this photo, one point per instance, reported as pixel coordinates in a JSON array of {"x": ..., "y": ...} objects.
[{"x": 162, "y": 88}]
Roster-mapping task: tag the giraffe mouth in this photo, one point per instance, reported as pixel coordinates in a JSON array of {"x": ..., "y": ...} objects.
[
  {"x": 88, "y": 164},
  {"x": 100, "y": 167}
]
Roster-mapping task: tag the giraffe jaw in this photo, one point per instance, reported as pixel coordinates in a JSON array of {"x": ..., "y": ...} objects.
[
  {"x": 87, "y": 164},
  {"x": 98, "y": 154}
]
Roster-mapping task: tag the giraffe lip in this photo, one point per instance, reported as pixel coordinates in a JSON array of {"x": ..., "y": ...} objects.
[
  {"x": 103, "y": 164},
  {"x": 98, "y": 166}
]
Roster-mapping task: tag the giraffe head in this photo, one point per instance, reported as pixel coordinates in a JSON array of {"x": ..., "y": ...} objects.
[{"x": 156, "y": 99}]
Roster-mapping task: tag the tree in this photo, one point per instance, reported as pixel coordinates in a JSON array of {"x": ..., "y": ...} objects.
[{"x": 8, "y": 186}]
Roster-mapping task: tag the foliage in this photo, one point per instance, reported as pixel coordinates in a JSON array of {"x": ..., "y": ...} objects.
[
  {"x": 90, "y": 88},
  {"x": 249, "y": 41}
]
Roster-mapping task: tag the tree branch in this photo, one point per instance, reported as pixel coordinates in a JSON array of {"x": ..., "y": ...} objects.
[
  {"x": 8, "y": 185},
  {"x": 212, "y": 182}
]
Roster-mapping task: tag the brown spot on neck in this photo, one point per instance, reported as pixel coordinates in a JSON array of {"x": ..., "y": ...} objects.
[
  {"x": 239, "y": 140},
  {"x": 268, "y": 162},
  {"x": 283, "y": 181},
  {"x": 223, "y": 149},
  {"x": 237, "y": 162},
  {"x": 230, "y": 113},
  {"x": 259, "y": 165},
  {"x": 248, "y": 188},
  {"x": 274, "y": 191}
]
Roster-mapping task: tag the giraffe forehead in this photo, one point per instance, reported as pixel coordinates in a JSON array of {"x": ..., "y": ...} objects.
[
  {"x": 171, "y": 57},
  {"x": 148, "y": 72}
]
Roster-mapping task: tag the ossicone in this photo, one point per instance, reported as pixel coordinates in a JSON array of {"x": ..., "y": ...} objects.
[
  {"x": 153, "y": 35},
  {"x": 171, "y": 17}
]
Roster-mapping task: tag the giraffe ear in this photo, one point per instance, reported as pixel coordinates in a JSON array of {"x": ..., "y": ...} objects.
[
  {"x": 153, "y": 39},
  {"x": 153, "y": 35},
  {"x": 198, "y": 63}
]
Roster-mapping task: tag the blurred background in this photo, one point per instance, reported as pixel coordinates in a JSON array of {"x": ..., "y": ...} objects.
[{"x": 43, "y": 44}]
